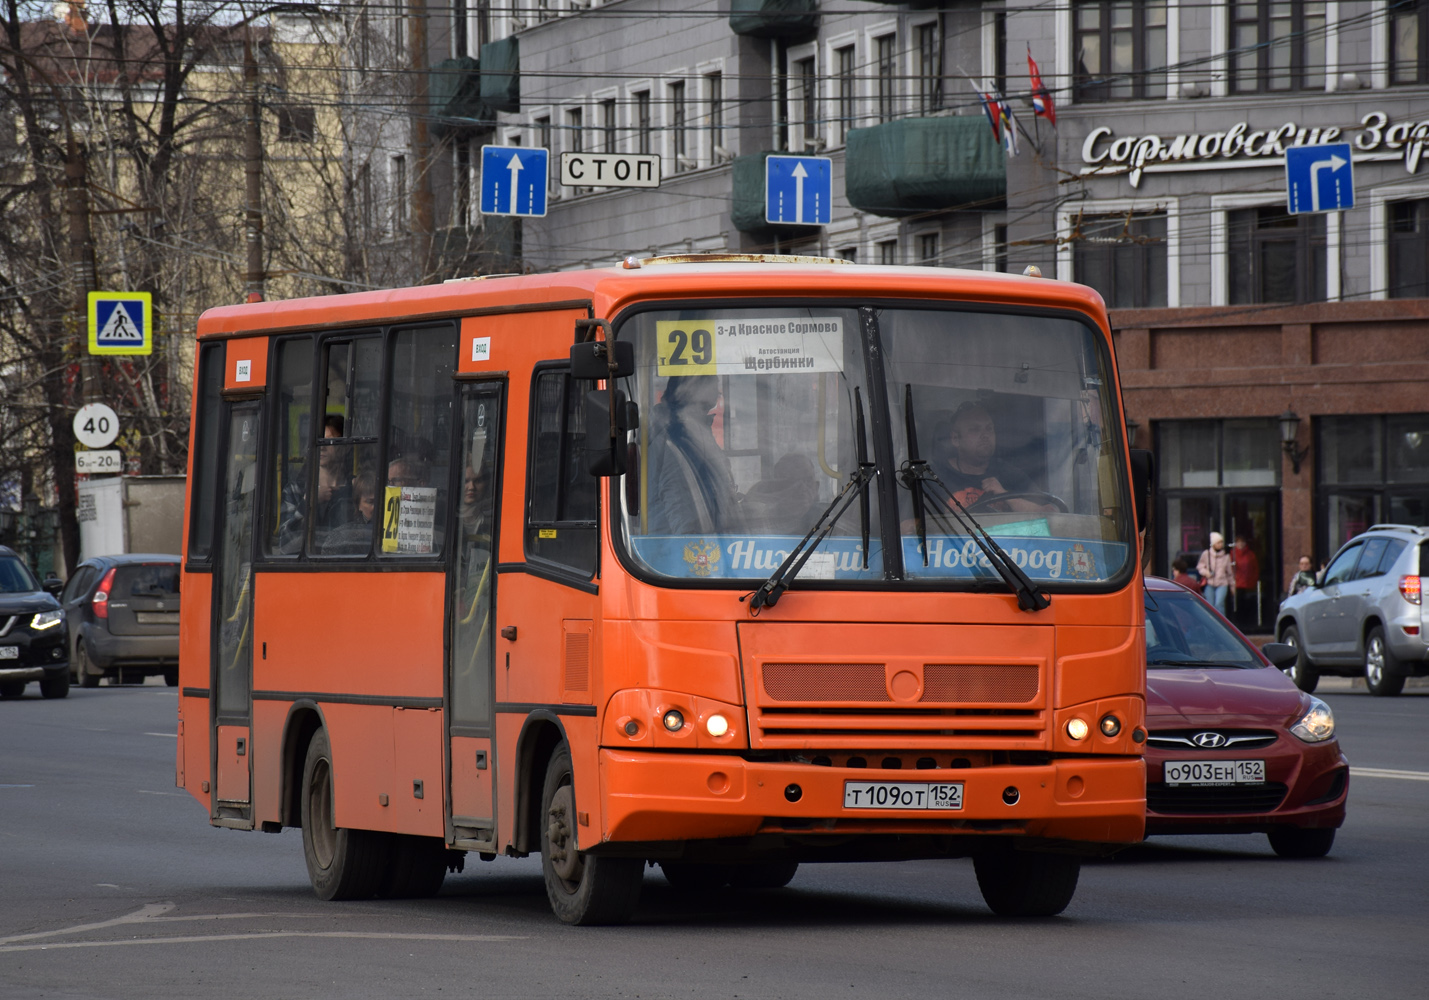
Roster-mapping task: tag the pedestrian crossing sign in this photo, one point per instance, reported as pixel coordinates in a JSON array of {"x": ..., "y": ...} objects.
[{"x": 121, "y": 323}]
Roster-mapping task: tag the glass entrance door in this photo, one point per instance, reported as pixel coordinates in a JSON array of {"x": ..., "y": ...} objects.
[
  {"x": 472, "y": 589},
  {"x": 232, "y": 649},
  {"x": 1250, "y": 522}
]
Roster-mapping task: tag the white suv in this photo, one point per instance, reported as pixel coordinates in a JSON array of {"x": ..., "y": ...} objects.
[{"x": 1366, "y": 615}]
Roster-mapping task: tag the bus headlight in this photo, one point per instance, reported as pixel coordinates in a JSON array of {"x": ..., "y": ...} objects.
[
  {"x": 673, "y": 720},
  {"x": 716, "y": 725},
  {"x": 1077, "y": 729}
]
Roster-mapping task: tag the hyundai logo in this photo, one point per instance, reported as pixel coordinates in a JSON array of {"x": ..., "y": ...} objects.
[{"x": 1208, "y": 741}]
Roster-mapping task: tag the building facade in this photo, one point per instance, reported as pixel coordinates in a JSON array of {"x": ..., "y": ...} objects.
[{"x": 1162, "y": 184}]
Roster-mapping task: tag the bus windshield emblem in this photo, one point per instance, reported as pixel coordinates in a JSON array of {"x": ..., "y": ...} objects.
[{"x": 702, "y": 557}]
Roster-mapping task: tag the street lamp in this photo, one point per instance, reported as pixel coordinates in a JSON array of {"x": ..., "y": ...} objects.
[
  {"x": 1289, "y": 433},
  {"x": 1132, "y": 426}
]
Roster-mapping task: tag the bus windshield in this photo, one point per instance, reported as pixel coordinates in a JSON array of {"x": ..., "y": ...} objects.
[{"x": 750, "y": 429}]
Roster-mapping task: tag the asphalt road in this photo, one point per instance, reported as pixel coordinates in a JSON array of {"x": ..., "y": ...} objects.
[{"x": 112, "y": 884}]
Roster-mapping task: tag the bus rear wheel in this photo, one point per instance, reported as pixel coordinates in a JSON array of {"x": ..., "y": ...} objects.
[
  {"x": 763, "y": 874},
  {"x": 342, "y": 864},
  {"x": 1025, "y": 884},
  {"x": 582, "y": 889}
]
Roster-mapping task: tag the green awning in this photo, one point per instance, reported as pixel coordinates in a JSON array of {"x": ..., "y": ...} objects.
[
  {"x": 747, "y": 210},
  {"x": 501, "y": 74},
  {"x": 924, "y": 164},
  {"x": 774, "y": 18},
  {"x": 454, "y": 94}
]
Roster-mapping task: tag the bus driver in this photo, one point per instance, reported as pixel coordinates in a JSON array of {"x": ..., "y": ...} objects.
[{"x": 969, "y": 466}]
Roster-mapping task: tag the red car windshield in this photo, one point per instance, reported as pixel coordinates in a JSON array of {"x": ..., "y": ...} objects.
[{"x": 1181, "y": 631}]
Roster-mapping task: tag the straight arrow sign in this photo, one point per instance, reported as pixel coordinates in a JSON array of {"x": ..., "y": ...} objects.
[
  {"x": 799, "y": 174},
  {"x": 515, "y": 167}
]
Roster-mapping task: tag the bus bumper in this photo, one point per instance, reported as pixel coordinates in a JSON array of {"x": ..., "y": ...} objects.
[{"x": 674, "y": 796}]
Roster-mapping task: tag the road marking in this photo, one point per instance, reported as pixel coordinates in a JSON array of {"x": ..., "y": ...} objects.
[
  {"x": 145, "y": 791},
  {"x": 262, "y": 935},
  {"x": 17, "y": 786},
  {"x": 1384, "y": 772},
  {"x": 143, "y": 913},
  {"x": 172, "y": 736}
]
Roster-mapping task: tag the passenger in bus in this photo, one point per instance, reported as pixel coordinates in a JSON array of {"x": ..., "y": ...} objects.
[
  {"x": 332, "y": 502},
  {"x": 691, "y": 488},
  {"x": 786, "y": 502},
  {"x": 967, "y": 462},
  {"x": 354, "y": 537}
]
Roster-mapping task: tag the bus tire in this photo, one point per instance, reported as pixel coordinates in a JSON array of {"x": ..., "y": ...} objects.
[
  {"x": 582, "y": 889},
  {"x": 342, "y": 864},
  {"x": 1026, "y": 884},
  {"x": 763, "y": 874},
  {"x": 416, "y": 868}
]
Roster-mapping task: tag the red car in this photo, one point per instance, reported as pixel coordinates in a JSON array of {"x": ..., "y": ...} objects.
[{"x": 1233, "y": 746}]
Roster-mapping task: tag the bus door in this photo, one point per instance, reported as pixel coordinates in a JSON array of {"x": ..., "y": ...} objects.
[
  {"x": 471, "y": 611},
  {"x": 232, "y": 643}
]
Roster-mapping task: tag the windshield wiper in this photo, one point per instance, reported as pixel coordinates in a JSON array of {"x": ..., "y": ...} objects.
[
  {"x": 773, "y": 588},
  {"x": 917, "y": 476}
]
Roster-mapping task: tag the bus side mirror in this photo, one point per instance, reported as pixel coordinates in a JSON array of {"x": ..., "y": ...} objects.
[
  {"x": 606, "y": 456},
  {"x": 1143, "y": 484},
  {"x": 591, "y": 360}
]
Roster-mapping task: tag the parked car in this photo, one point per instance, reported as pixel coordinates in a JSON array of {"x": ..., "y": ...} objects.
[
  {"x": 1366, "y": 613},
  {"x": 1232, "y": 745},
  {"x": 32, "y": 634},
  {"x": 123, "y": 618}
]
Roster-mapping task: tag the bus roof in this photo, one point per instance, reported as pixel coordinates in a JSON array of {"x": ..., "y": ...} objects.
[{"x": 607, "y": 290}]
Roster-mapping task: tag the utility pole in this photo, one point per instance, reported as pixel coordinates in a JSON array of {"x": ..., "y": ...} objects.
[
  {"x": 423, "y": 211},
  {"x": 83, "y": 277},
  {"x": 253, "y": 172}
]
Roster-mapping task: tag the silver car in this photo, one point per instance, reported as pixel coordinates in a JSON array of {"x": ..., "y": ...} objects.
[{"x": 1366, "y": 614}]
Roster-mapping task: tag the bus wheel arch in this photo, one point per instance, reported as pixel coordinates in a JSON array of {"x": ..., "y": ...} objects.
[
  {"x": 304, "y": 719},
  {"x": 541, "y": 735}
]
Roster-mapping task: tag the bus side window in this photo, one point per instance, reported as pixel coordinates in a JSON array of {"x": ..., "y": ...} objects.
[
  {"x": 562, "y": 497},
  {"x": 343, "y": 507},
  {"x": 292, "y": 446},
  {"x": 413, "y": 503},
  {"x": 205, "y": 465}
]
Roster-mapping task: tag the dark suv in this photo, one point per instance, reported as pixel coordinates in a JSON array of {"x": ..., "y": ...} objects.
[
  {"x": 1366, "y": 614},
  {"x": 32, "y": 633},
  {"x": 123, "y": 614}
]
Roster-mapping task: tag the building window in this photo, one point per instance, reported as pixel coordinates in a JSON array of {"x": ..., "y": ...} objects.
[
  {"x": 714, "y": 87},
  {"x": 1409, "y": 41},
  {"x": 999, "y": 248},
  {"x": 607, "y": 126},
  {"x": 678, "y": 139},
  {"x": 365, "y": 218},
  {"x": 543, "y": 141},
  {"x": 999, "y": 51},
  {"x": 928, "y": 249},
  {"x": 1119, "y": 49},
  {"x": 806, "y": 99},
  {"x": 642, "y": 122},
  {"x": 928, "y": 73},
  {"x": 886, "y": 67},
  {"x": 544, "y": 10},
  {"x": 297, "y": 123},
  {"x": 399, "y": 193},
  {"x": 1277, "y": 46},
  {"x": 1124, "y": 258},
  {"x": 1409, "y": 249},
  {"x": 1370, "y": 469},
  {"x": 847, "y": 90},
  {"x": 888, "y": 252},
  {"x": 1275, "y": 257},
  {"x": 849, "y": 254},
  {"x": 574, "y": 140}
]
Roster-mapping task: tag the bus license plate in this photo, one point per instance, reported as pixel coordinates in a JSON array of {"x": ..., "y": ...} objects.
[
  {"x": 902, "y": 795},
  {"x": 1215, "y": 772},
  {"x": 9, "y": 652}
]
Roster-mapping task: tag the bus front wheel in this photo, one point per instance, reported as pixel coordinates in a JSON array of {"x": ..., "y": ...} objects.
[
  {"x": 1025, "y": 884},
  {"x": 582, "y": 889},
  {"x": 342, "y": 864}
]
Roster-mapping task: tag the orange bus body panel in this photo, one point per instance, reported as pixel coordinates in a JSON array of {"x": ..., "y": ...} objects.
[{"x": 246, "y": 365}]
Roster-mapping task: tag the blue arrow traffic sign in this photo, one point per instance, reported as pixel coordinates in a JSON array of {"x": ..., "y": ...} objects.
[
  {"x": 121, "y": 323},
  {"x": 1319, "y": 178},
  {"x": 798, "y": 190},
  {"x": 514, "y": 180}
]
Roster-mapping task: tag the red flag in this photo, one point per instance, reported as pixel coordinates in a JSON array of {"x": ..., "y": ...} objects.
[{"x": 1041, "y": 98}]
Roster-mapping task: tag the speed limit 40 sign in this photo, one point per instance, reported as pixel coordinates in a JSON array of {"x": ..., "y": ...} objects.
[{"x": 96, "y": 425}]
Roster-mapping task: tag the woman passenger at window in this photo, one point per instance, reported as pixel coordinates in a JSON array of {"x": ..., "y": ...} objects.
[{"x": 692, "y": 490}]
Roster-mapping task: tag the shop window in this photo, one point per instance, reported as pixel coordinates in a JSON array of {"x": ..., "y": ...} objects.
[
  {"x": 1124, "y": 258},
  {"x": 1409, "y": 42},
  {"x": 1273, "y": 256},
  {"x": 1370, "y": 469},
  {"x": 417, "y": 468},
  {"x": 1409, "y": 249},
  {"x": 562, "y": 497},
  {"x": 1196, "y": 454},
  {"x": 1119, "y": 49},
  {"x": 1276, "y": 46}
]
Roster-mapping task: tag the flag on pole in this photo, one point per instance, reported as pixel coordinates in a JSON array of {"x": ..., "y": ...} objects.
[
  {"x": 1042, "y": 105},
  {"x": 991, "y": 109},
  {"x": 999, "y": 115},
  {"x": 1009, "y": 127}
]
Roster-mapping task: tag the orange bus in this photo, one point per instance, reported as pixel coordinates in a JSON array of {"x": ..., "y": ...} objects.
[{"x": 725, "y": 564}]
